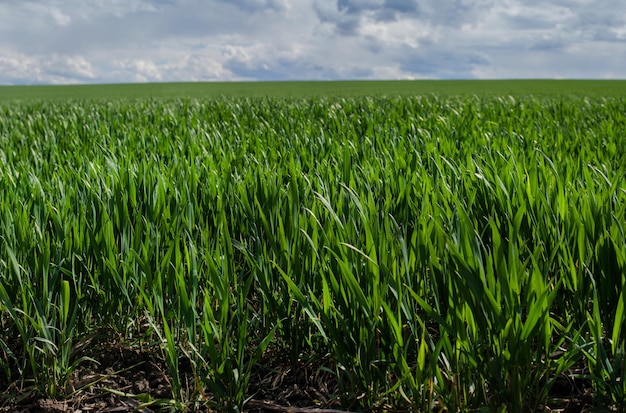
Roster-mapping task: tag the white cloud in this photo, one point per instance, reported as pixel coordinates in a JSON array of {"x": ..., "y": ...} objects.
[
  {"x": 59, "y": 17},
  {"x": 68, "y": 41},
  {"x": 20, "y": 68},
  {"x": 140, "y": 70},
  {"x": 399, "y": 33}
]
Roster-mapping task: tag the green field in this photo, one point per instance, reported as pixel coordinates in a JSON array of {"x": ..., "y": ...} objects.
[
  {"x": 483, "y": 88},
  {"x": 386, "y": 249}
]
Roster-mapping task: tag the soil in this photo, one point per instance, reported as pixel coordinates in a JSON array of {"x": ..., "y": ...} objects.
[{"x": 122, "y": 373}]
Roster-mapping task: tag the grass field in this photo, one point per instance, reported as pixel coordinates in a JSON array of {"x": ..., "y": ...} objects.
[
  {"x": 381, "y": 251},
  {"x": 484, "y": 88}
]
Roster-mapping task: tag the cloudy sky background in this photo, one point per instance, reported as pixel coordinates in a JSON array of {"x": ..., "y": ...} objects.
[{"x": 113, "y": 41}]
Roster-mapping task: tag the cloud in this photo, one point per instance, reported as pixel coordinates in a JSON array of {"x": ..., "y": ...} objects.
[
  {"x": 444, "y": 64},
  {"x": 18, "y": 68},
  {"x": 60, "y": 18},
  {"x": 258, "y": 5},
  {"x": 69, "y": 41},
  {"x": 382, "y": 9},
  {"x": 349, "y": 16}
]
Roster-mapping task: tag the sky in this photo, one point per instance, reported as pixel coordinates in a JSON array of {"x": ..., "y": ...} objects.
[{"x": 128, "y": 41}]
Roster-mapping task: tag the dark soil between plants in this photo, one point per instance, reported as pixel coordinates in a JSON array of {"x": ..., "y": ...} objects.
[{"x": 125, "y": 377}]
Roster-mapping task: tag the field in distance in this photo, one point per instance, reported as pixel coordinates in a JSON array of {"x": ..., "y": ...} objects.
[{"x": 200, "y": 90}]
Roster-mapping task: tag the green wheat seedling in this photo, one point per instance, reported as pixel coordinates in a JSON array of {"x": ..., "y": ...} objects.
[{"x": 422, "y": 253}]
